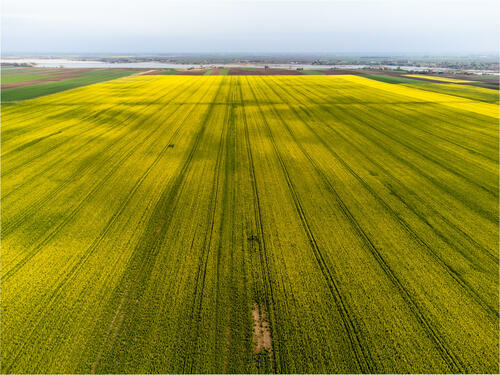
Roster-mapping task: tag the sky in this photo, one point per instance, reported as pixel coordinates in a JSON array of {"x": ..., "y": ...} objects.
[{"x": 336, "y": 26}]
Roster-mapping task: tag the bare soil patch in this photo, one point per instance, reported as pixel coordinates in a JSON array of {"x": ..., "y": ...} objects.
[{"x": 261, "y": 330}]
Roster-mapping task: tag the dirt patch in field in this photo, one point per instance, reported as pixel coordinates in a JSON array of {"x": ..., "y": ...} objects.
[
  {"x": 159, "y": 228},
  {"x": 261, "y": 330}
]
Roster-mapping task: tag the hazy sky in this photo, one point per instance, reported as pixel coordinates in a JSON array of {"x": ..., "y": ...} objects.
[{"x": 161, "y": 26}]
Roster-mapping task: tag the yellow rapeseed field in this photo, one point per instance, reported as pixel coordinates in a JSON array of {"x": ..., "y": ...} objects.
[{"x": 246, "y": 224}]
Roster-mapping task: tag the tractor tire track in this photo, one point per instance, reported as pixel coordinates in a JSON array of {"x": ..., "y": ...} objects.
[{"x": 228, "y": 206}]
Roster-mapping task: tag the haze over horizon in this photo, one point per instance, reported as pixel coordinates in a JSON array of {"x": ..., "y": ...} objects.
[{"x": 376, "y": 26}]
